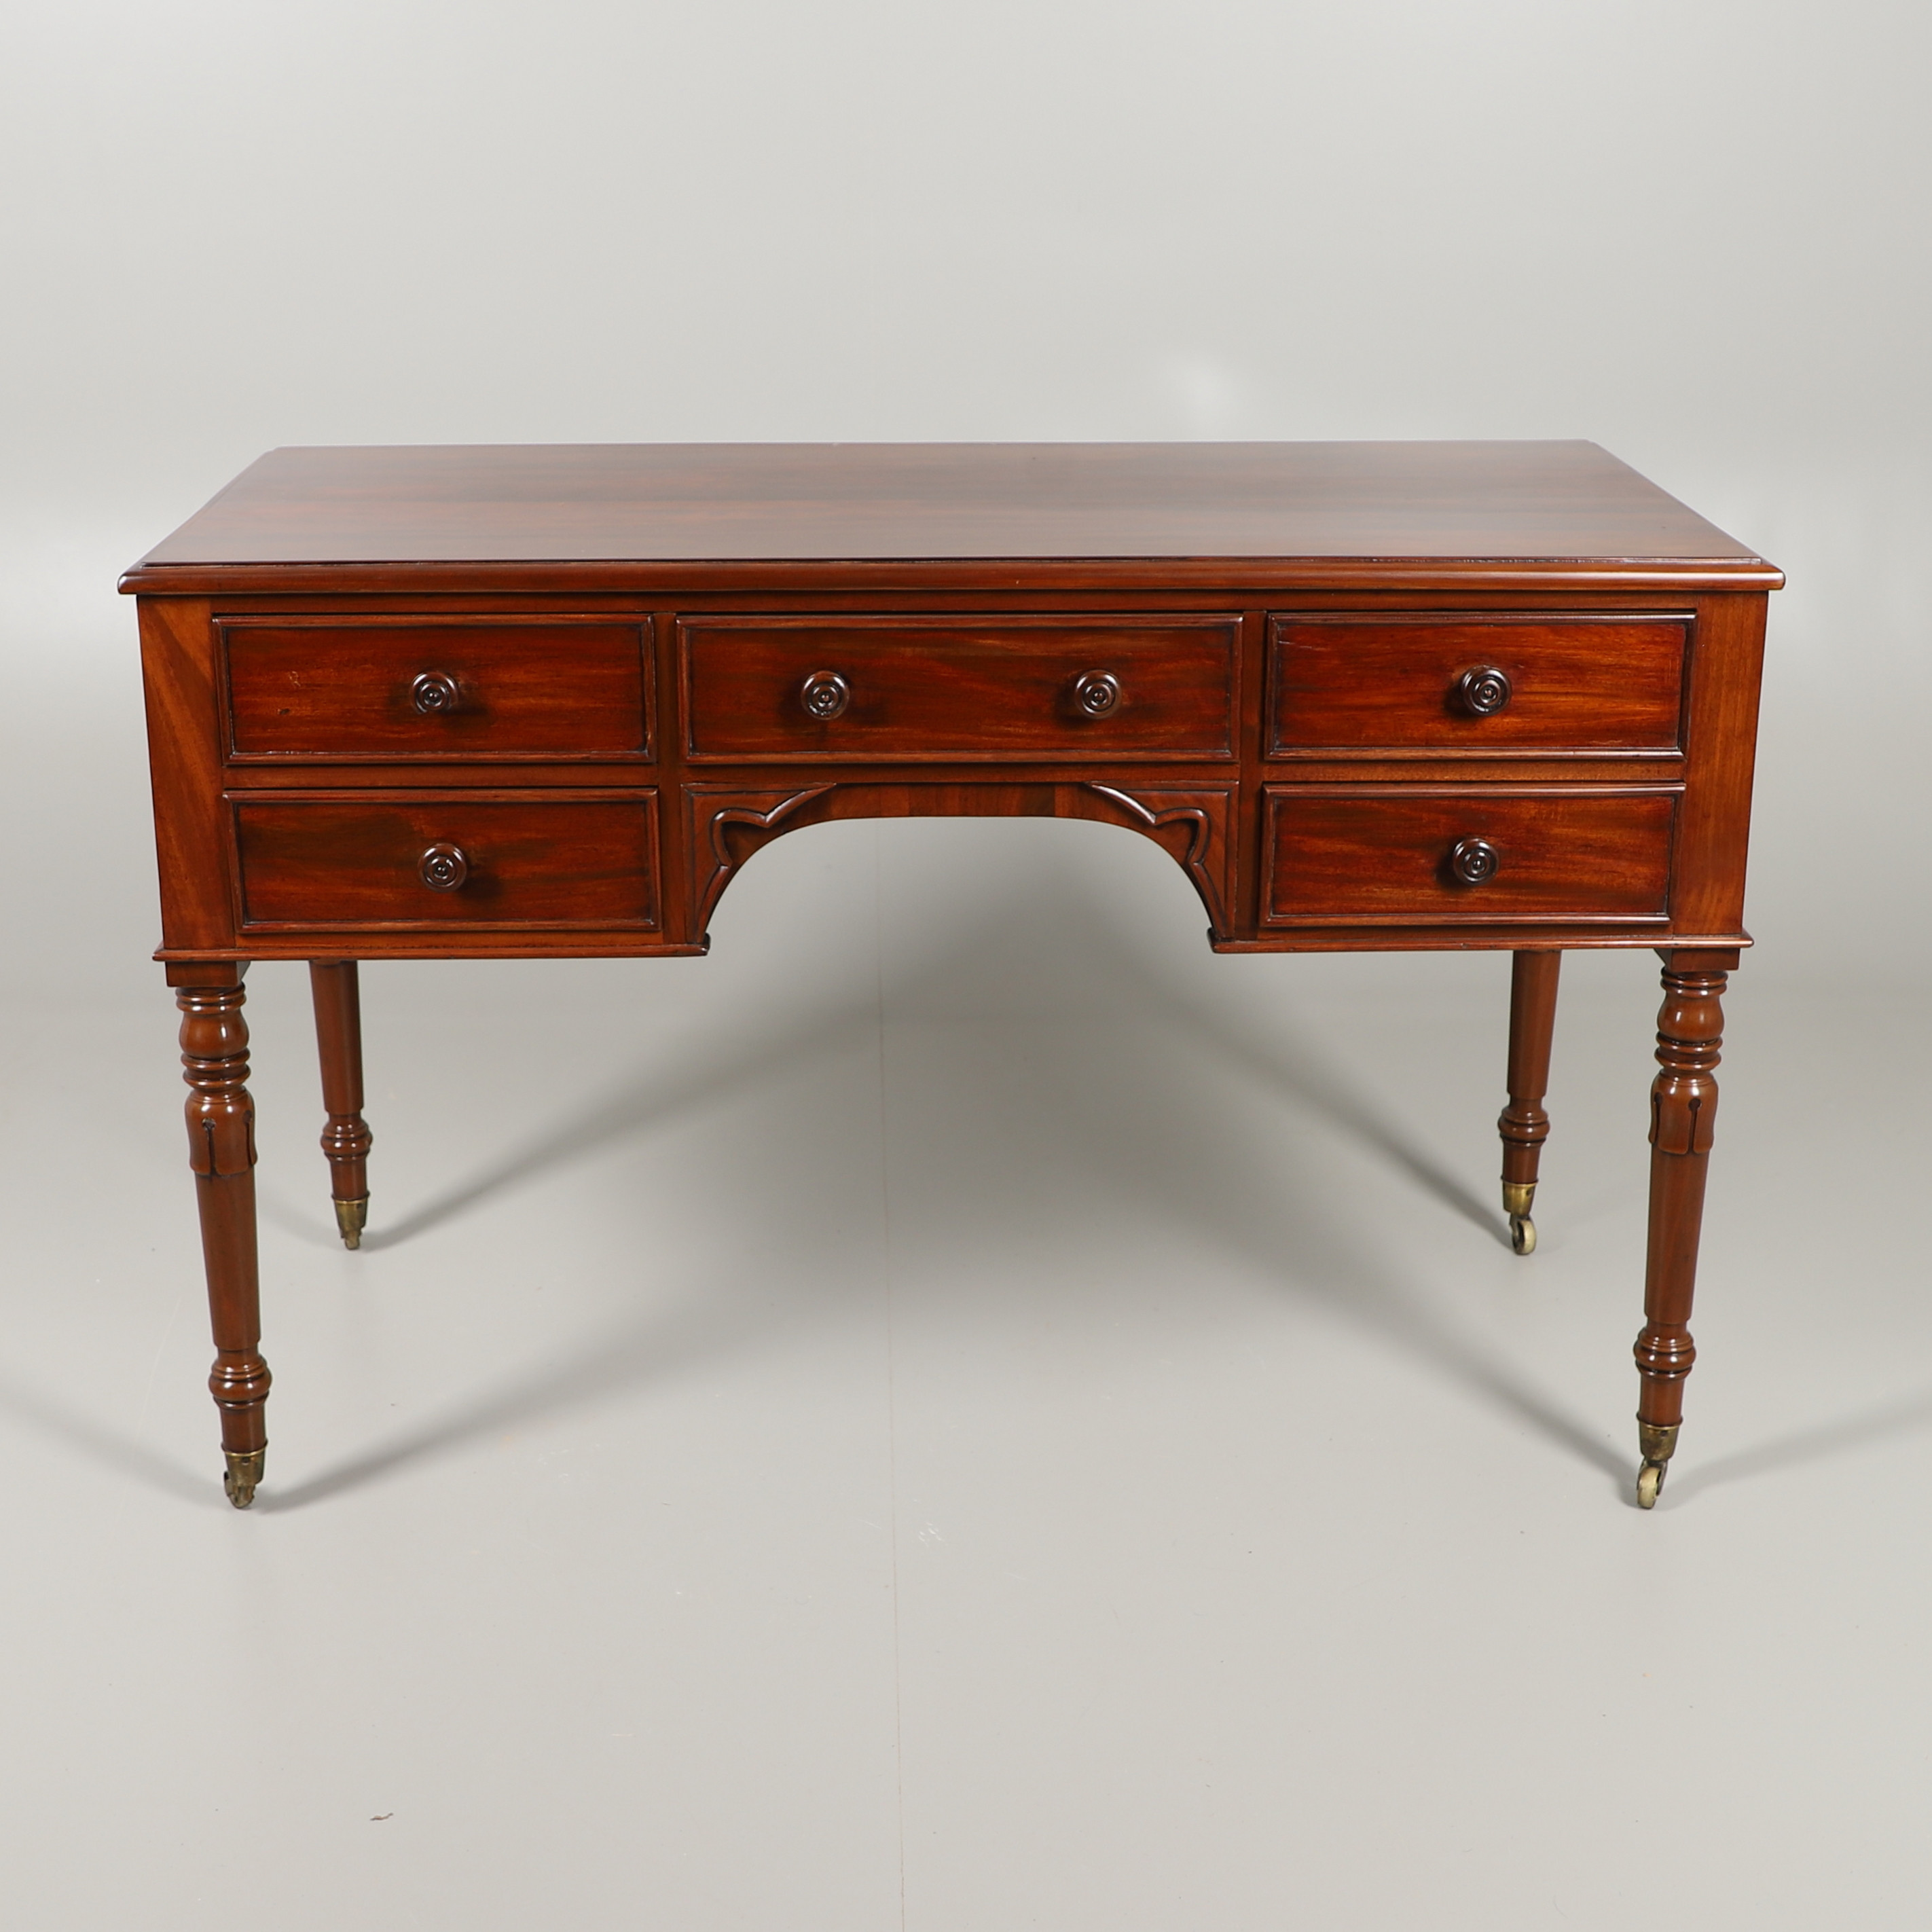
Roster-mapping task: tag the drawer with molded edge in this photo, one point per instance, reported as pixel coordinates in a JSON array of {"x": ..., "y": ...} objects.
[
  {"x": 382, "y": 689},
  {"x": 1482, "y": 684},
  {"x": 776, "y": 688},
  {"x": 1413, "y": 855},
  {"x": 432, "y": 861}
]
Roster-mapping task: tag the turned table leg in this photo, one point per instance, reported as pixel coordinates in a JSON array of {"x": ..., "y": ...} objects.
[
  {"x": 347, "y": 1139},
  {"x": 1523, "y": 1124},
  {"x": 1683, "y": 1110},
  {"x": 221, "y": 1151}
]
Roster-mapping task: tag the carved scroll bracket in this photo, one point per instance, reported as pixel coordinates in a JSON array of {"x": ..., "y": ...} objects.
[
  {"x": 1200, "y": 818},
  {"x": 727, "y": 827}
]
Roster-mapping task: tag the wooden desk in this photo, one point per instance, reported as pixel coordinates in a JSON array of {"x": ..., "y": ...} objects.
[{"x": 529, "y": 702}]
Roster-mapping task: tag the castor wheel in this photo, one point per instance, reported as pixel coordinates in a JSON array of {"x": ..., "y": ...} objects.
[
  {"x": 1657, "y": 1443},
  {"x": 351, "y": 1218},
  {"x": 244, "y": 1472},
  {"x": 1517, "y": 1195}
]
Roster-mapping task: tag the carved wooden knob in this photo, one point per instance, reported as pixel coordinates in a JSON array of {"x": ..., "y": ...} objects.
[
  {"x": 825, "y": 695},
  {"x": 1474, "y": 861},
  {"x": 1484, "y": 690},
  {"x": 444, "y": 868},
  {"x": 1096, "y": 693},
  {"x": 433, "y": 693}
]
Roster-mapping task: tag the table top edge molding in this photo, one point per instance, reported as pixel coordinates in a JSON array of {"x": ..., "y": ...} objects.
[{"x": 812, "y": 576}]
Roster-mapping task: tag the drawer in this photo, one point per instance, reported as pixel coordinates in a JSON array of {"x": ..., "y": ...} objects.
[
  {"x": 1477, "y": 684},
  {"x": 447, "y": 861},
  {"x": 1465, "y": 854},
  {"x": 549, "y": 688},
  {"x": 861, "y": 688}
]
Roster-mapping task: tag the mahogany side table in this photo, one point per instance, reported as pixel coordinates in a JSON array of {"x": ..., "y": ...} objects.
[{"x": 539, "y": 702}]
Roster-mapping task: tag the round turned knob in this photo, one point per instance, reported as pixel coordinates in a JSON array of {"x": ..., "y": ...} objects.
[
  {"x": 1484, "y": 690},
  {"x": 444, "y": 868},
  {"x": 1474, "y": 861},
  {"x": 1097, "y": 693},
  {"x": 433, "y": 693},
  {"x": 825, "y": 695}
]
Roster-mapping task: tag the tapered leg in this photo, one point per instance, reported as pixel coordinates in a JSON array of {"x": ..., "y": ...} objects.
[
  {"x": 221, "y": 1151},
  {"x": 1523, "y": 1125},
  {"x": 1683, "y": 1110},
  {"x": 347, "y": 1139}
]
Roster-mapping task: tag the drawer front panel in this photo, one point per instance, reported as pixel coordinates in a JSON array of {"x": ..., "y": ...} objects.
[
  {"x": 1481, "y": 685},
  {"x": 1465, "y": 854},
  {"x": 1026, "y": 688},
  {"x": 447, "y": 862},
  {"x": 551, "y": 689}
]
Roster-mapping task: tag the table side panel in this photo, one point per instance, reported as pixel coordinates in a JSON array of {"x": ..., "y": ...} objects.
[
  {"x": 1721, "y": 742},
  {"x": 181, "y": 687}
]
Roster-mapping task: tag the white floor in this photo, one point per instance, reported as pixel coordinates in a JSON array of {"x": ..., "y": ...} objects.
[{"x": 962, "y": 1411}]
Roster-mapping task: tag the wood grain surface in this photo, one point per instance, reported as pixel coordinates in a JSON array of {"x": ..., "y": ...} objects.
[
  {"x": 534, "y": 689},
  {"x": 343, "y": 863},
  {"x": 932, "y": 688},
  {"x": 1366, "y": 682},
  {"x": 794, "y": 503},
  {"x": 1376, "y": 696},
  {"x": 1383, "y": 854}
]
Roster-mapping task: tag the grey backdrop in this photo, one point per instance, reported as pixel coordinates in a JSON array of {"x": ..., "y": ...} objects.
[
  {"x": 961, "y": 1411},
  {"x": 1695, "y": 232}
]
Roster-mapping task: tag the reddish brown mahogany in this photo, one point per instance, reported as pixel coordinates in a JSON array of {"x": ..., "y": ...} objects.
[
  {"x": 221, "y": 1152},
  {"x": 1356, "y": 683},
  {"x": 1045, "y": 687},
  {"x": 537, "y": 702},
  {"x": 347, "y": 860},
  {"x": 1524, "y": 1125},
  {"x": 460, "y": 690},
  {"x": 1683, "y": 1115},
  {"x": 1402, "y": 853},
  {"x": 335, "y": 986}
]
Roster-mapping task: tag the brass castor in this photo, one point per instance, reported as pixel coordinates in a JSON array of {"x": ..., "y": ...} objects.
[
  {"x": 1658, "y": 1442},
  {"x": 1517, "y": 1194},
  {"x": 244, "y": 1472},
  {"x": 352, "y": 1217}
]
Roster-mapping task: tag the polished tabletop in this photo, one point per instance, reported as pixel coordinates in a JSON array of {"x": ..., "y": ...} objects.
[{"x": 1538, "y": 503}]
